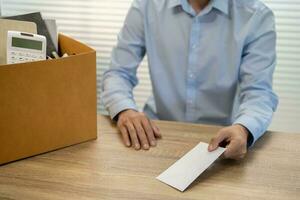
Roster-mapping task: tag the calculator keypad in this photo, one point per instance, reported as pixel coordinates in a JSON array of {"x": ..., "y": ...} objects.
[{"x": 21, "y": 57}]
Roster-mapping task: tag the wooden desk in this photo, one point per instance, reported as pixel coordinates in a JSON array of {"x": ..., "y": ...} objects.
[{"x": 105, "y": 169}]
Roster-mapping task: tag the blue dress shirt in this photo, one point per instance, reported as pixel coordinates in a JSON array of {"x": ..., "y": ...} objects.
[{"x": 214, "y": 67}]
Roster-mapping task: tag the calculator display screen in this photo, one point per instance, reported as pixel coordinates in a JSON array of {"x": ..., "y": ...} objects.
[{"x": 27, "y": 44}]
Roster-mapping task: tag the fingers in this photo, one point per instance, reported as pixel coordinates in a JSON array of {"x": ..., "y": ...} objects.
[
  {"x": 231, "y": 150},
  {"x": 125, "y": 136},
  {"x": 215, "y": 141},
  {"x": 149, "y": 132},
  {"x": 236, "y": 147},
  {"x": 133, "y": 136},
  {"x": 155, "y": 129},
  {"x": 235, "y": 150},
  {"x": 141, "y": 134},
  {"x": 137, "y": 130}
]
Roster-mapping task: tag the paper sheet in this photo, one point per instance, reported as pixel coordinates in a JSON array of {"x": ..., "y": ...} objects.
[{"x": 184, "y": 171}]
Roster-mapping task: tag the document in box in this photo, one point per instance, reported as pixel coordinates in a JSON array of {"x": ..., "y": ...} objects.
[{"x": 184, "y": 171}]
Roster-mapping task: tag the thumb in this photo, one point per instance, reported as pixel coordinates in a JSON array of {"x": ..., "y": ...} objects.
[{"x": 215, "y": 141}]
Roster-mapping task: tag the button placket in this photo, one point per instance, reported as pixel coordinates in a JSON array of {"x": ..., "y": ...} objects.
[{"x": 192, "y": 62}]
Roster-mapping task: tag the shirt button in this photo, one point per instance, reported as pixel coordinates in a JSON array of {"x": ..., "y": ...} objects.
[{"x": 191, "y": 75}]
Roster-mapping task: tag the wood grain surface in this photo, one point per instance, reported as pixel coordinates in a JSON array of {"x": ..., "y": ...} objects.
[{"x": 105, "y": 169}]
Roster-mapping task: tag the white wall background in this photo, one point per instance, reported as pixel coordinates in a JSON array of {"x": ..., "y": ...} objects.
[{"x": 97, "y": 23}]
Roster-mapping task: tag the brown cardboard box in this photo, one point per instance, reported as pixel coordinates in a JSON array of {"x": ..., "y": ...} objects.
[{"x": 47, "y": 105}]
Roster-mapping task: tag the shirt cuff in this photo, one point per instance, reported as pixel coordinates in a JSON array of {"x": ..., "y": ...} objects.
[
  {"x": 118, "y": 107},
  {"x": 252, "y": 126}
]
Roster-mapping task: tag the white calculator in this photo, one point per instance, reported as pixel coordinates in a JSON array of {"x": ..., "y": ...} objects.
[{"x": 25, "y": 47}]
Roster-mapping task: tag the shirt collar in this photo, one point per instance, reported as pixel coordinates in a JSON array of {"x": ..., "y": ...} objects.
[
  {"x": 221, "y": 5},
  {"x": 174, "y": 3}
]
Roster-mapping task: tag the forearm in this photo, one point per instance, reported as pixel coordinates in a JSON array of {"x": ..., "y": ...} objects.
[
  {"x": 258, "y": 102},
  {"x": 116, "y": 93},
  {"x": 118, "y": 82}
]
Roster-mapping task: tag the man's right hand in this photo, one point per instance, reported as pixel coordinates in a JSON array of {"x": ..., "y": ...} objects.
[{"x": 137, "y": 130}]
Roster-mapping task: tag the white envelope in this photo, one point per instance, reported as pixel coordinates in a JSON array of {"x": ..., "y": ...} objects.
[{"x": 184, "y": 171}]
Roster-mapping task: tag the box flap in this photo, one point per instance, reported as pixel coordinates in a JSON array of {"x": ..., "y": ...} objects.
[{"x": 67, "y": 44}]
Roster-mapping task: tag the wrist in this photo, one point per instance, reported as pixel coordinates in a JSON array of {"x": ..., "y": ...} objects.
[
  {"x": 243, "y": 129},
  {"x": 248, "y": 134},
  {"x": 119, "y": 115}
]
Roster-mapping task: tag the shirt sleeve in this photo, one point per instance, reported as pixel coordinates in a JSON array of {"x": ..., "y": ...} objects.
[
  {"x": 256, "y": 96},
  {"x": 118, "y": 82}
]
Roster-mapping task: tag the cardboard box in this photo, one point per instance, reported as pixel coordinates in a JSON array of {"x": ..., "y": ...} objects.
[{"x": 47, "y": 105}]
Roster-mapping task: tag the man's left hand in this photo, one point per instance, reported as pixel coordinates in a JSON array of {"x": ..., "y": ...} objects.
[{"x": 234, "y": 138}]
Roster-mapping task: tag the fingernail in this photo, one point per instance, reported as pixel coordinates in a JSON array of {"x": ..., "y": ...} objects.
[
  {"x": 137, "y": 146},
  {"x": 128, "y": 144},
  {"x": 146, "y": 146},
  {"x": 210, "y": 147}
]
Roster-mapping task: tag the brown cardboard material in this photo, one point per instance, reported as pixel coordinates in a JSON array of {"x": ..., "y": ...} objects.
[{"x": 47, "y": 105}]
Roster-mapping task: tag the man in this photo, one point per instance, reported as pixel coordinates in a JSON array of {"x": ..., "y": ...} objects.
[{"x": 210, "y": 61}]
